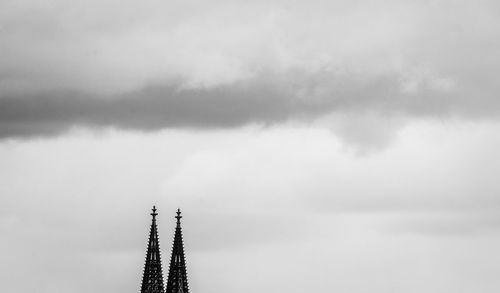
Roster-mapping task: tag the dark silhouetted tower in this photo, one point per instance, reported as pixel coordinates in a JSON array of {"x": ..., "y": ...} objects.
[
  {"x": 152, "y": 280},
  {"x": 177, "y": 278}
]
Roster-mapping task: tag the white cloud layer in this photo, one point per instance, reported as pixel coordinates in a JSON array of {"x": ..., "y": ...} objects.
[
  {"x": 262, "y": 208},
  {"x": 110, "y": 46}
]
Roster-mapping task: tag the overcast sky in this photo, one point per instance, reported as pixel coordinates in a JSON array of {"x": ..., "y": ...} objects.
[{"x": 313, "y": 146}]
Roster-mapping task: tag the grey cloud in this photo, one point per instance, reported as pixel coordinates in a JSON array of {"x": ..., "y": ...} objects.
[
  {"x": 261, "y": 101},
  {"x": 245, "y": 65},
  {"x": 242, "y": 230},
  {"x": 447, "y": 224},
  {"x": 452, "y": 198}
]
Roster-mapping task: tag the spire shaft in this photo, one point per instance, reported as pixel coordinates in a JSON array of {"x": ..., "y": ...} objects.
[
  {"x": 177, "y": 277},
  {"x": 152, "y": 280}
]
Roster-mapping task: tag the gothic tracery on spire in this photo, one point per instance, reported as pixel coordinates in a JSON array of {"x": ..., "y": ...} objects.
[
  {"x": 152, "y": 280},
  {"x": 177, "y": 277}
]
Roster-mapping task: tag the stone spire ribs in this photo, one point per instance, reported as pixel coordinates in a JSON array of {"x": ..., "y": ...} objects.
[
  {"x": 152, "y": 280},
  {"x": 177, "y": 278}
]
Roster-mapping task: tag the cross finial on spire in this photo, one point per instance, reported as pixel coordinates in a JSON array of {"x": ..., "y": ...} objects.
[
  {"x": 178, "y": 217},
  {"x": 154, "y": 213}
]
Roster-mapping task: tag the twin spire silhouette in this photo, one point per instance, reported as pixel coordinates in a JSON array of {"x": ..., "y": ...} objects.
[{"x": 152, "y": 280}]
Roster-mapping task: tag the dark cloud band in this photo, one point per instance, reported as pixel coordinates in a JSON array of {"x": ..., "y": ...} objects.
[{"x": 264, "y": 102}]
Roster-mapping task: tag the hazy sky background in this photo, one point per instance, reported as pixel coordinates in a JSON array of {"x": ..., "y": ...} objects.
[{"x": 314, "y": 146}]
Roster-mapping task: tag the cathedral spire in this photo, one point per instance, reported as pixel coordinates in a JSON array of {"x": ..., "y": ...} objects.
[
  {"x": 152, "y": 280},
  {"x": 177, "y": 278}
]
